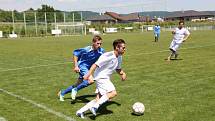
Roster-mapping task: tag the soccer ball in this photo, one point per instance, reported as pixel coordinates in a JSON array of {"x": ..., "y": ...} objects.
[{"x": 138, "y": 108}]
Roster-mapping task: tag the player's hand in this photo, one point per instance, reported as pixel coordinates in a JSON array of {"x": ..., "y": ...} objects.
[
  {"x": 76, "y": 69},
  {"x": 123, "y": 77},
  {"x": 173, "y": 32},
  {"x": 87, "y": 76}
]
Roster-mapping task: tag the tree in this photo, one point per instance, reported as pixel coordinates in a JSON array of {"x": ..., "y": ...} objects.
[
  {"x": 77, "y": 16},
  {"x": 5, "y": 16},
  {"x": 50, "y": 11}
]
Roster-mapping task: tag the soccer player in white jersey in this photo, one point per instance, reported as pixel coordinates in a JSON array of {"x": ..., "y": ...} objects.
[
  {"x": 180, "y": 35},
  {"x": 102, "y": 70}
]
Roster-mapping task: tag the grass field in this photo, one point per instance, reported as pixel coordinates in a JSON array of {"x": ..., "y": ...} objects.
[{"x": 33, "y": 70}]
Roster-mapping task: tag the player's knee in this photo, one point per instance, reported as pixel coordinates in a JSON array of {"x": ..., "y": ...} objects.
[
  {"x": 172, "y": 50},
  {"x": 114, "y": 93},
  {"x": 90, "y": 81}
]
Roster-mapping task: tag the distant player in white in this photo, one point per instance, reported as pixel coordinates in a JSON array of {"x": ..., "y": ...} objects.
[
  {"x": 180, "y": 34},
  {"x": 103, "y": 69}
]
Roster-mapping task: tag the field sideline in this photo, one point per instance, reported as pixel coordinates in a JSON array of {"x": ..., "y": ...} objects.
[{"x": 33, "y": 70}]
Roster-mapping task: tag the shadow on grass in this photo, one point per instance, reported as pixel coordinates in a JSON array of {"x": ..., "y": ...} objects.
[
  {"x": 102, "y": 110},
  {"x": 134, "y": 114},
  {"x": 81, "y": 99},
  {"x": 174, "y": 59}
]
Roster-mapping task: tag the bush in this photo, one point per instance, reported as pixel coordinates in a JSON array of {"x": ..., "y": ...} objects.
[{"x": 6, "y": 29}]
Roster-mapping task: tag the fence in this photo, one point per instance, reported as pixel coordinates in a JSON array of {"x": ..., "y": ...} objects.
[
  {"x": 70, "y": 23},
  {"x": 42, "y": 23}
]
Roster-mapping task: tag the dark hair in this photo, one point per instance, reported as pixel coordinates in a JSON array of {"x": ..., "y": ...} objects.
[
  {"x": 117, "y": 42},
  {"x": 181, "y": 22},
  {"x": 96, "y": 38}
]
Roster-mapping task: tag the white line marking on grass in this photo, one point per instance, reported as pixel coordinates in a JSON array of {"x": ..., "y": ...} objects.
[
  {"x": 2, "y": 119},
  {"x": 29, "y": 67},
  {"x": 59, "y": 114}
]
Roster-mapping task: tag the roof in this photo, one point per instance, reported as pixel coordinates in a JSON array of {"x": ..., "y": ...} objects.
[
  {"x": 188, "y": 13},
  {"x": 99, "y": 18},
  {"x": 132, "y": 16},
  {"x": 113, "y": 15},
  {"x": 129, "y": 17}
]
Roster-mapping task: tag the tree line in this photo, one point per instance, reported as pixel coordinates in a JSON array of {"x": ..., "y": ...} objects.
[{"x": 7, "y": 16}]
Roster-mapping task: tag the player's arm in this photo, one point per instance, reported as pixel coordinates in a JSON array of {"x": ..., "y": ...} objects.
[
  {"x": 75, "y": 62},
  {"x": 173, "y": 31},
  {"x": 76, "y": 55},
  {"x": 122, "y": 74},
  {"x": 90, "y": 72},
  {"x": 185, "y": 37}
]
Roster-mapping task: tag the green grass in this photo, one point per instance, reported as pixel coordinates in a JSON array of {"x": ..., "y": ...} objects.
[{"x": 180, "y": 90}]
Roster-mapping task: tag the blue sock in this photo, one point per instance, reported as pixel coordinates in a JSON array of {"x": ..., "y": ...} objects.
[
  {"x": 83, "y": 84},
  {"x": 69, "y": 89}
]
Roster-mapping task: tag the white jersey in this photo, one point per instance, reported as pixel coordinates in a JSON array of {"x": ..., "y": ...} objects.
[
  {"x": 179, "y": 34},
  {"x": 107, "y": 64}
]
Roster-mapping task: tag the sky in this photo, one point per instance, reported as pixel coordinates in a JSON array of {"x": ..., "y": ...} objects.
[{"x": 119, "y": 6}]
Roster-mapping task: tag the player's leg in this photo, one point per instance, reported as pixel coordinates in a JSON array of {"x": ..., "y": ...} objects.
[
  {"x": 172, "y": 50},
  {"x": 61, "y": 93},
  {"x": 155, "y": 37},
  {"x": 69, "y": 89},
  {"x": 83, "y": 84},
  {"x": 106, "y": 90},
  {"x": 172, "y": 53},
  {"x": 74, "y": 90},
  {"x": 103, "y": 99},
  {"x": 176, "y": 48},
  {"x": 86, "y": 107},
  {"x": 158, "y": 35},
  {"x": 176, "y": 54},
  {"x": 89, "y": 105}
]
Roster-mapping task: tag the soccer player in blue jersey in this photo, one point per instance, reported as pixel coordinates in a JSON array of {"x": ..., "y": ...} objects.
[
  {"x": 157, "y": 32},
  {"x": 83, "y": 59}
]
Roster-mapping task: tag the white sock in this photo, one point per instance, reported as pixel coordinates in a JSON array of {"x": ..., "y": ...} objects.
[
  {"x": 87, "y": 106},
  {"x": 102, "y": 100}
]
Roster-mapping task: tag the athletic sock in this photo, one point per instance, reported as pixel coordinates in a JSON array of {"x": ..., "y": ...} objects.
[
  {"x": 102, "y": 100},
  {"x": 87, "y": 106},
  {"x": 68, "y": 90},
  {"x": 83, "y": 84}
]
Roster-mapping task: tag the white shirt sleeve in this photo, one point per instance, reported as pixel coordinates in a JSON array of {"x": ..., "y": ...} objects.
[{"x": 103, "y": 59}]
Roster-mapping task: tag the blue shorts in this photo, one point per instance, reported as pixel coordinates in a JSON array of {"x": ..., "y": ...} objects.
[
  {"x": 83, "y": 71},
  {"x": 157, "y": 34}
]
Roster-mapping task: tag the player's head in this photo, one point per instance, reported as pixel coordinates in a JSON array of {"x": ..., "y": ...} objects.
[
  {"x": 180, "y": 24},
  {"x": 119, "y": 46},
  {"x": 96, "y": 42}
]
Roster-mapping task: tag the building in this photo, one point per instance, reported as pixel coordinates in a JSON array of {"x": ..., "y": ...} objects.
[
  {"x": 101, "y": 19},
  {"x": 111, "y": 17},
  {"x": 189, "y": 15}
]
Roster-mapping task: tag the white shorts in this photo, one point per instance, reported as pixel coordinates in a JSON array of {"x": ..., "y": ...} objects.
[
  {"x": 103, "y": 86},
  {"x": 174, "y": 45}
]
